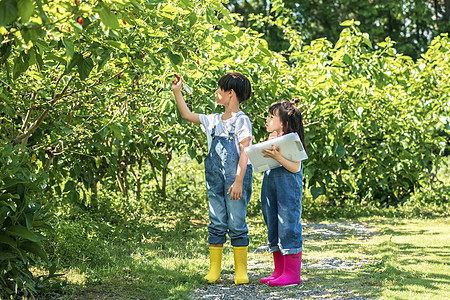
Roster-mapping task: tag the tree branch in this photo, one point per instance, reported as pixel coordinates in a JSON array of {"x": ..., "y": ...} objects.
[{"x": 42, "y": 116}]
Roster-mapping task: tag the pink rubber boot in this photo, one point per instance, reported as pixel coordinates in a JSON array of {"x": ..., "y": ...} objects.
[
  {"x": 278, "y": 261},
  {"x": 291, "y": 273}
]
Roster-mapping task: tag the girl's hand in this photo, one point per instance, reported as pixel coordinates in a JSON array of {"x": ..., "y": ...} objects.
[
  {"x": 273, "y": 135},
  {"x": 235, "y": 190},
  {"x": 274, "y": 153}
]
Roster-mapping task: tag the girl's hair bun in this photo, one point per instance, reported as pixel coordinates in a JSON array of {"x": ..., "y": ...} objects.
[{"x": 295, "y": 100}]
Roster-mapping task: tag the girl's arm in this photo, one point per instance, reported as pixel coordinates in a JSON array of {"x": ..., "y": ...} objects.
[
  {"x": 186, "y": 114},
  {"x": 236, "y": 187},
  {"x": 291, "y": 166}
]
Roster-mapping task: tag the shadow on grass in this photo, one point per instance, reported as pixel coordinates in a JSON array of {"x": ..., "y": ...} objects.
[
  {"x": 411, "y": 266},
  {"x": 127, "y": 261},
  {"x": 147, "y": 281}
]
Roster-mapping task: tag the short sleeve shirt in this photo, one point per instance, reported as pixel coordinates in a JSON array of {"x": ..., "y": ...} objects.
[{"x": 243, "y": 127}]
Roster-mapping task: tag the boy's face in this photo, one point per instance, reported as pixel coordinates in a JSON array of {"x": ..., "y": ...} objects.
[
  {"x": 222, "y": 97},
  {"x": 273, "y": 123}
]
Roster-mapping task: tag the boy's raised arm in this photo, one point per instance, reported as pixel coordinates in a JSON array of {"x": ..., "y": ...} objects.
[{"x": 186, "y": 114}]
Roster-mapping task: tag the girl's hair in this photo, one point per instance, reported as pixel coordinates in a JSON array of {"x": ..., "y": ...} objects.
[
  {"x": 237, "y": 82},
  {"x": 291, "y": 118}
]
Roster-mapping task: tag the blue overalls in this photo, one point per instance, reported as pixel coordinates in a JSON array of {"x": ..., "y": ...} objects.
[
  {"x": 225, "y": 215},
  {"x": 281, "y": 205}
]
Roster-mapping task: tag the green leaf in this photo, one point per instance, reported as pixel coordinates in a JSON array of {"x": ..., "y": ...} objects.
[
  {"x": 230, "y": 38},
  {"x": 52, "y": 270},
  {"x": 69, "y": 186},
  {"x": 7, "y": 256},
  {"x": 6, "y": 239},
  {"x": 69, "y": 46},
  {"x": 169, "y": 11},
  {"x": 347, "y": 59},
  {"x": 264, "y": 49},
  {"x": 166, "y": 105},
  {"x": 25, "y": 9},
  {"x": 367, "y": 41},
  {"x": 118, "y": 45},
  {"x": 116, "y": 131},
  {"x": 340, "y": 151},
  {"x": 8, "y": 12},
  {"x": 347, "y": 23},
  {"x": 316, "y": 192},
  {"x": 76, "y": 59},
  {"x": 20, "y": 64},
  {"x": 192, "y": 19},
  {"x": 29, "y": 219},
  {"x": 174, "y": 58},
  {"x": 106, "y": 16},
  {"x": 104, "y": 57},
  {"x": 85, "y": 67},
  {"x": 32, "y": 34},
  {"x": 36, "y": 249},
  {"x": 21, "y": 190},
  {"x": 3, "y": 214},
  {"x": 23, "y": 232},
  {"x": 10, "y": 204},
  {"x": 41, "y": 11}
]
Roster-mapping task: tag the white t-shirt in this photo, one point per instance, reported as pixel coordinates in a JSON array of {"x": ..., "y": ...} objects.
[{"x": 242, "y": 129}]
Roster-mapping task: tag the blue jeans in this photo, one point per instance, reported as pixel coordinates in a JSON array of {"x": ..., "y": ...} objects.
[
  {"x": 281, "y": 204},
  {"x": 226, "y": 216}
]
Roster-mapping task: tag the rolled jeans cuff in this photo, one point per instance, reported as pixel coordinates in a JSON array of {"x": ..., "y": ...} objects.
[
  {"x": 240, "y": 242},
  {"x": 291, "y": 251}
]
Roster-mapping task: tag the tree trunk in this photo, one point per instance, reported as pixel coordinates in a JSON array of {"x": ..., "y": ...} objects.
[
  {"x": 94, "y": 194},
  {"x": 446, "y": 16}
]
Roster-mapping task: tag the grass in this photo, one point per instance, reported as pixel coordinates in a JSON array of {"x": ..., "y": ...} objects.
[
  {"x": 154, "y": 259},
  {"x": 409, "y": 260},
  {"x": 124, "y": 256},
  {"x": 416, "y": 254}
]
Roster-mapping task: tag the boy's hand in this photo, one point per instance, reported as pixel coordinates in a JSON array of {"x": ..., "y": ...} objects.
[
  {"x": 235, "y": 190},
  {"x": 177, "y": 83},
  {"x": 274, "y": 153}
]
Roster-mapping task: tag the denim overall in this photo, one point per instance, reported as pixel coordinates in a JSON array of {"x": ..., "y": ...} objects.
[
  {"x": 281, "y": 204},
  {"x": 225, "y": 215}
]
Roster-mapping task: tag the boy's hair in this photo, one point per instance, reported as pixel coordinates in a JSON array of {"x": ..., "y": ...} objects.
[
  {"x": 238, "y": 83},
  {"x": 291, "y": 118}
]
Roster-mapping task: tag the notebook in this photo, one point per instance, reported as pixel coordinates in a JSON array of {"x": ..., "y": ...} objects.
[{"x": 290, "y": 146}]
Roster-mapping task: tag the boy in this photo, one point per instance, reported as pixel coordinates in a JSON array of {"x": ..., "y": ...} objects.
[{"x": 228, "y": 173}]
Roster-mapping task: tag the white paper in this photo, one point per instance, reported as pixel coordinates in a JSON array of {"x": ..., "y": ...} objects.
[{"x": 291, "y": 148}]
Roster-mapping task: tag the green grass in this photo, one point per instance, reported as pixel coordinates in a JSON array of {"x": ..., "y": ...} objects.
[
  {"x": 126, "y": 254},
  {"x": 417, "y": 254},
  {"x": 156, "y": 259},
  {"x": 410, "y": 260}
]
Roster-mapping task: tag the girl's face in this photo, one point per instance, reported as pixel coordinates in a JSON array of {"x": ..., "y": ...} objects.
[
  {"x": 273, "y": 123},
  {"x": 222, "y": 97}
]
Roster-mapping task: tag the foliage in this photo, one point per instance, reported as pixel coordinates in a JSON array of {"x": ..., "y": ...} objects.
[
  {"x": 375, "y": 116},
  {"x": 21, "y": 223},
  {"x": 85, "y": 92},
  {"x": 412, "y": 24}
]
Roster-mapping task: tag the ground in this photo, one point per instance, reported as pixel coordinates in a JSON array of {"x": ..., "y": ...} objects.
[{"x": 312, "y": 233}]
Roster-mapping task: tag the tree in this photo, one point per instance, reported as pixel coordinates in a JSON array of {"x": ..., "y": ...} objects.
[
  {"x": 412, "y": 24},
  {"x": 85, "y": 100}
]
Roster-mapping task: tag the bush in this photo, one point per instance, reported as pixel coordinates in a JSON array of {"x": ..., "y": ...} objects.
[{"x": 21, "y": 223}]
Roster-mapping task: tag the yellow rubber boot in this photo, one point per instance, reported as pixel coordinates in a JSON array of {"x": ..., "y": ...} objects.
[
  {"x": 240, "y": 265},
  {"x": 215, "y": 264}
]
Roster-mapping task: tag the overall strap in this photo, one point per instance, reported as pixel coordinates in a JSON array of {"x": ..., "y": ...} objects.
[
  {"x": 233, "y": 126},
  {"x": 213, "y": 131}
]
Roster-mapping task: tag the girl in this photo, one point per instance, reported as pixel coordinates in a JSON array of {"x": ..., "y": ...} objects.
[{"x": 281, "y": 198}]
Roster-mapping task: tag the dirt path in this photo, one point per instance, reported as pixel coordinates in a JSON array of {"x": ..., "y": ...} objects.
[{"x": 254, "y": 290}]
